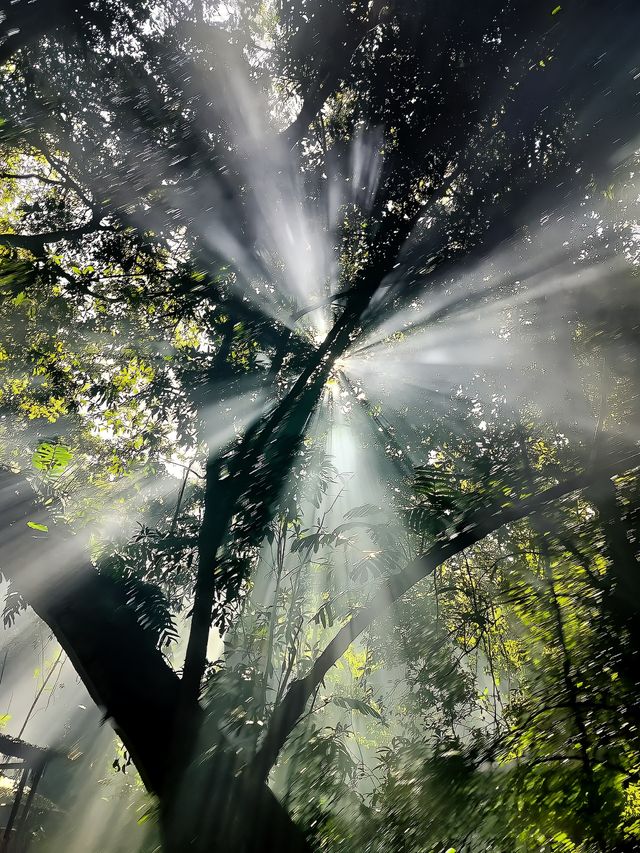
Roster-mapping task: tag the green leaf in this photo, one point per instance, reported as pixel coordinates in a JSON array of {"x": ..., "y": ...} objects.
[
  {"x": 359, "y": 511},
  {"x": 324, "y": 615},
  {"x": 357, "y": 705},
  {"x": 52, "y": 458},
  {"x": 34, "y": 525}
]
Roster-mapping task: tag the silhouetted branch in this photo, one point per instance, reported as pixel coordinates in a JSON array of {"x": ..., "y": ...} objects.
[
  {"x": 477, "y": 525},
  {"x": 329, "y": 78},
  {"x": 36, "y": 242}
]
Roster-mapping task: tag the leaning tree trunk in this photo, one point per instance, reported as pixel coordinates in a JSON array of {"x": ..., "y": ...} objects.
[{"x": 128, "y": 677}]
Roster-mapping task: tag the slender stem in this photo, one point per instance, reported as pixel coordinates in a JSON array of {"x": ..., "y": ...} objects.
[
  {"x": 183, "y": 486},
  {"x": 40, "y": 692}
]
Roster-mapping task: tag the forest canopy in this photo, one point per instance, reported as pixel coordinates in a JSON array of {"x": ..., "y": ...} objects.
[{"x": 319, "y": 423}]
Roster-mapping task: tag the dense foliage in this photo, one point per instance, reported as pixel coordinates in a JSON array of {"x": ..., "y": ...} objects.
[{"x": 319, "y": 330}]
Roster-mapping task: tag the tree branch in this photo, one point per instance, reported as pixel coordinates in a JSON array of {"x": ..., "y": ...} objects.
[
  {"x": 280, "y": 430},
  {"x": 477, "y": 526},
  {"x": 329, "y": 78},
  {"x": 30, "y": 176},
  {"x": 36, "y": 242}
]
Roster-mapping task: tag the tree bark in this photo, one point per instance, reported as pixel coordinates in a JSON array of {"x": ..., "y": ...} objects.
[
  {"x": 119, "y": 664},
  {"x": 131, "y": 681}
]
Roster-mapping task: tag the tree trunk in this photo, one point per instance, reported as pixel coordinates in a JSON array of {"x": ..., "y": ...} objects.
[{"x": 130, "y": 680}]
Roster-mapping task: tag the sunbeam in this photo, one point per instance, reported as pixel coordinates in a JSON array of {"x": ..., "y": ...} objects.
[{"x": 319, "y": 426}]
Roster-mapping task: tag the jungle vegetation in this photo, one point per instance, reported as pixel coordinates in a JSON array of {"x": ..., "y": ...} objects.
[{"x": 319, "y": 410}]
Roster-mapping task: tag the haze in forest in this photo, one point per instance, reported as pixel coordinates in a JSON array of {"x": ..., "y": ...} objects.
[{"x": 319, "y": 424}]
